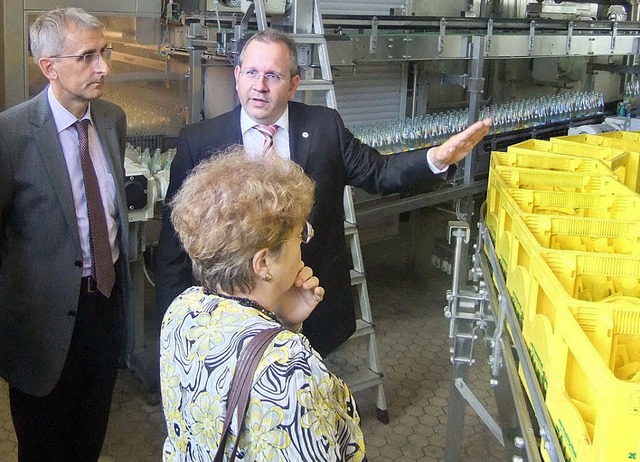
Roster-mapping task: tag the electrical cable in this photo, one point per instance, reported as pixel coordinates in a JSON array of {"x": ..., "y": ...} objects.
[{"x": 146, "y": 272}]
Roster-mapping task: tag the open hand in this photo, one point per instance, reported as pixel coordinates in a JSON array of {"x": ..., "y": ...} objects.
[{"x": 459, "y": 145}]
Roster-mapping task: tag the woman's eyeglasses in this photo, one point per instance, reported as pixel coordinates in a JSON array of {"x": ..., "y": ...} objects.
[{"x": 305, "y": 235}]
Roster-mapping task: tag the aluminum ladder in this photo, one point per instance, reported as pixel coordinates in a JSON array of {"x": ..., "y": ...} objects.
[{"x": 308, "y": 33}]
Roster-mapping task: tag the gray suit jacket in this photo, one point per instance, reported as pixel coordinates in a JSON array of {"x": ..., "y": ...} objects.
[{"x": 40, "y": 253}]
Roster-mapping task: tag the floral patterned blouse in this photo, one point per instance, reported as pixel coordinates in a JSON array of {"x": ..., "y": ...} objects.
[{"x": 298, "y": 410}]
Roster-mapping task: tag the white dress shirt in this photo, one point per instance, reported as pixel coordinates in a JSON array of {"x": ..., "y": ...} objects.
[
  {"x": 69, "y": 140},
  {"x": 253, "y": 140}
]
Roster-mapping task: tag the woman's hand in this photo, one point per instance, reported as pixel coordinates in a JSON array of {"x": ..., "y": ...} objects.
[{"x": 300, "y": 300}]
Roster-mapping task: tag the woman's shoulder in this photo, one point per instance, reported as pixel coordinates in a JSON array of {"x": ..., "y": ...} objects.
[{"x": 292, "y": 352}]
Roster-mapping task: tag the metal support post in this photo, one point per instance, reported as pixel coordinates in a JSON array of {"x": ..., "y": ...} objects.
[{"x": 461, "y": 319}]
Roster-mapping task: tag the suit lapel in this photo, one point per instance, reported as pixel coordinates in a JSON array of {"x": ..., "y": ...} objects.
[
  {"x": 300, "y": 135},
  {"x": 105, "y": 126},
  {"x": 234, "y": 131},
  {"x": 46, "y": 137}
]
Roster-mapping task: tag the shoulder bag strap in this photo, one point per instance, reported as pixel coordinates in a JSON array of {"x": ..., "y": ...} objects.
[{"x": 238, "y": 397}]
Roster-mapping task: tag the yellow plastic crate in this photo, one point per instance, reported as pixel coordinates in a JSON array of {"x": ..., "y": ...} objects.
[
  {"x": 626, "y": 170},
  {"x": 616, "y": 159},
  {"x": 577, "y": 205},
  {"x": 541, "y": 180},
  {"x": 534, "y": 145},
  {"x": 623, "y": 135},
  {"x": 549, "y": 161},
  {"x": 584, "y": 276},
  {"x": 621, "y": 142},
  {"x": 504, "y": 203},
  {"x": 544, "y": 284},
  {"x": 596, "y": 413},
  {"x": 620, "y": 237},
  {"x": 594, "y": 277},
  {"x": 587, "y": 276},
  {"x": 559, "y": 146}
]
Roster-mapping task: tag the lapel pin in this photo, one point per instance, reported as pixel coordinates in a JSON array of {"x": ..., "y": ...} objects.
[{"x": 305, "y": 134}]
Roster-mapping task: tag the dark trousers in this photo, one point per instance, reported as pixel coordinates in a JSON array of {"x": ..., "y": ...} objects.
[{"x": 70, "y": 423}]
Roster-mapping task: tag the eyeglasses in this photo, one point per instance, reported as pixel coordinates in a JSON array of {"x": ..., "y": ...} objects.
[
  {"x": 269, "y": 77},
  {"x": 90, "y": 59},
  {"x": 306, "y": 234}
]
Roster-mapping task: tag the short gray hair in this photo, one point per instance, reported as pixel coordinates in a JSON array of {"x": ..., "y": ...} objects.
[{"x": 48, "y": 33}]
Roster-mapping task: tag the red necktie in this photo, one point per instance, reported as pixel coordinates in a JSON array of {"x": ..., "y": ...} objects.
[
  {"x": 102, "y": 270},
  {"x": 268, "y": 131}
]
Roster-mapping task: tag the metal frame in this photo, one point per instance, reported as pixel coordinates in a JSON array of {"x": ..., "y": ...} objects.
[
  {"x": 411, "y": 38},
  {"x": 487, "y": 309}
]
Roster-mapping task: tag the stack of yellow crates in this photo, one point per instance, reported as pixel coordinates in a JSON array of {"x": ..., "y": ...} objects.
[{"x": 564, "y": 215}]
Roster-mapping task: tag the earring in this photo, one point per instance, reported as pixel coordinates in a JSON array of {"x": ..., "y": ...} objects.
[{"x": 267, "y": 277}]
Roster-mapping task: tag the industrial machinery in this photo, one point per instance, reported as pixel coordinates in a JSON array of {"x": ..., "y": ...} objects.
[
  {"x": 485, "y": 312},
  {"x": 394, "y": 67}
]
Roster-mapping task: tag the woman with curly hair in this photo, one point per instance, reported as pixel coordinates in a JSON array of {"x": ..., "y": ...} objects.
[{"x": 242, "y": 220}]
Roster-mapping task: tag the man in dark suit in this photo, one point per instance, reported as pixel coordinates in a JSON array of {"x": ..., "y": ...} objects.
[
  {"x": 65, "y": 285},
  {"x": 315, "y": 138}
]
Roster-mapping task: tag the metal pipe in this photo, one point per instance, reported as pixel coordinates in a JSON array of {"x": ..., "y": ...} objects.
[
  {"x": 635, "y": 10},
  {"x": 414, "y": 99},
  {"x": 603, "y": 2}
]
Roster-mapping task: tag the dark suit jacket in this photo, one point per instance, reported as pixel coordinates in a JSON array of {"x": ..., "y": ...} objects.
[
  {"x": 40, "y": 253},
  {"x": 333, "y": 158}
]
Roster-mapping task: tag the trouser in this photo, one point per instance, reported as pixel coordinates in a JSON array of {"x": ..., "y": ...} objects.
[{"x": 69, "y": 424}]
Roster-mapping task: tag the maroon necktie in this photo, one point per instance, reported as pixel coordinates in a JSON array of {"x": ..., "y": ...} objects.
[
  {"x": 268, "y": 131},
  {"x": 102, "y": 270}
]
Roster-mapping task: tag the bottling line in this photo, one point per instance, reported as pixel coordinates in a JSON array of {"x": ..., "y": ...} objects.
[{"x": 404, "y": 75}]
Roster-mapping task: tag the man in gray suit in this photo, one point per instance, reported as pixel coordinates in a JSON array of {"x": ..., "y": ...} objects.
[{"x": 65, "y": 286}]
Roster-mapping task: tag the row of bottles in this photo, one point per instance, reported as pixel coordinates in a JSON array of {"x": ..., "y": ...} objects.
[
  {"x": 630, "y": 105},
  {"x": 433, "y": 129},
  {"x": 153, "y": 162}
]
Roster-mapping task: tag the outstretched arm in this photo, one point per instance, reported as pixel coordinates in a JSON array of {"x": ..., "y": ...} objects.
[{"x": 459, "y": 145}]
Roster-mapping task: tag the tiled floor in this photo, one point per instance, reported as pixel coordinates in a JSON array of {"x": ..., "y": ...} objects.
[{"x": 412, "y": 335}]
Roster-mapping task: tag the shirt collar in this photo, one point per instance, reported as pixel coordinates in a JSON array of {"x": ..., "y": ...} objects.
[
  {"x": 63, "y": 118},
  {"x": 247, "y": 123}
]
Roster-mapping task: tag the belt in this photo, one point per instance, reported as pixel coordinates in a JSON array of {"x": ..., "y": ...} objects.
[{"x": 88, "y": 285}]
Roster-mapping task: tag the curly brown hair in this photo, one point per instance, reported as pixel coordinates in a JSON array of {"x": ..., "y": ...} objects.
[{"x": 231, "y": 206}]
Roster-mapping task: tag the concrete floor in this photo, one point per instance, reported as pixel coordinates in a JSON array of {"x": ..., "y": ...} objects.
[{"x": 407, "y": 298}]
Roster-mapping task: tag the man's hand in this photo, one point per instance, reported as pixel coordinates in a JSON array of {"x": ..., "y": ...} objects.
[{"x": 459, "y": 145}]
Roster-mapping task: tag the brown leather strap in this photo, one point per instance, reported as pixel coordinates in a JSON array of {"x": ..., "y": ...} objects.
[{"x": 238, "y": 397}]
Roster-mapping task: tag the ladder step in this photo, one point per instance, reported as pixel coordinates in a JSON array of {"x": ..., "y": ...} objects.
[
  {"x": 365, "y": 377},
  {"x": 362, "y": 379},
  {"x": 315, "y": 85},
  {"x": 350, "y": 229},
  {"x": 309, "y": 39},
  {"x": 362, "y": 328},
  {"x": 357, "y": 277}
]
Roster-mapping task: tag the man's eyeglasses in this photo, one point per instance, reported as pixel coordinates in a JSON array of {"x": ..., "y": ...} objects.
[
  {"x": 90, "y": 59},
  {"x": 305, "y": 235},
  {"x": 269, "y": 77}
]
